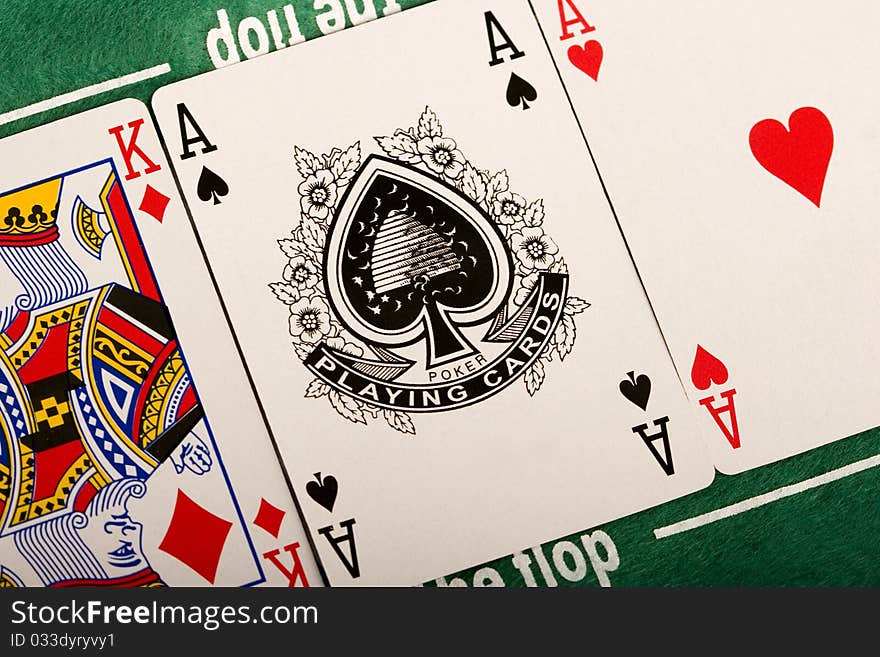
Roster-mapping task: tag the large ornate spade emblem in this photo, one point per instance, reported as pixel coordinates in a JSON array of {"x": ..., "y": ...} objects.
[
  {"x": 419, "y": 283},
  {"x": 409, "y": 259}
]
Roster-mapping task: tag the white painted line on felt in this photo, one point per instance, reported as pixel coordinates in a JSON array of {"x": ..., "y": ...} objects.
[
  {"x": 767, "y": 498},
  {"x": 85, "y": 92}
]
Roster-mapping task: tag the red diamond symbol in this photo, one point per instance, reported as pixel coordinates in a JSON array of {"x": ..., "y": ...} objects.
[
  {"x": 195, "y": 536},
  {"x": 269, "y": 517},
  {"x": 154, "y": 203}
]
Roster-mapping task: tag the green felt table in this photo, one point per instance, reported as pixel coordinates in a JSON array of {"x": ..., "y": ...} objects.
[{"x": 815, "y": 533}]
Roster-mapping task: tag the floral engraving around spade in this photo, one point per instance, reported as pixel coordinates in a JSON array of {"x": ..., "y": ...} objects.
[{"x": 368, "y": 283}]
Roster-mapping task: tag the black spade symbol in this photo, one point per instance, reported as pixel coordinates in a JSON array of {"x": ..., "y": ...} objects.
[
  {"x": 323, "y": 490},
  {"x": 211, "y": 187},
  {"x": 636, "y": 389},
  {"x": 520, "y": 92},
  {"x": 410, "y": 258}
]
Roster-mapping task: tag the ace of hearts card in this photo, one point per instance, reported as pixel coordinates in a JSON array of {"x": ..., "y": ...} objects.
[
  {"x": 132, "y": 451},
  {"x": 738, "y": 144},
  {"x": 443, "y": 324}
]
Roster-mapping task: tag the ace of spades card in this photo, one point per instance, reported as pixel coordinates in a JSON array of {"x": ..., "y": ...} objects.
[
  {"x": 132, "y": 451},
  {"x": 739, "y": 142},
  {"x": 441, "y": 319}
]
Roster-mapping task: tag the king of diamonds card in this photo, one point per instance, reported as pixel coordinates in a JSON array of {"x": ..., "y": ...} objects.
[{"x": 115, "y": 468}]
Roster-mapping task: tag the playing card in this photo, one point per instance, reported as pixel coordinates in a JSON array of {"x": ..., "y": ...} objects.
[
  {"x": 737, "y": 143},
  {"x": 133, "y": 452},
  {"x": 443, "y": 324}
]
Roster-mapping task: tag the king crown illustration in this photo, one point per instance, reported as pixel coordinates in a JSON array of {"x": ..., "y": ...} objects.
[{"x": 29, "y": 215}]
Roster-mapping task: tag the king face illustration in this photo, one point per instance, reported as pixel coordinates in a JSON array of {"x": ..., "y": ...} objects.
[
  {"x": 418, "y": 283},
  {"x": 95, "y": 393}
]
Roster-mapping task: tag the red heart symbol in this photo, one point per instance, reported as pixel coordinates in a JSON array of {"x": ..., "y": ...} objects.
[
  {"x": 798, "y": 156},
  {"x": 588, "y": 59},
  {"x": 707, "y": 370}
]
